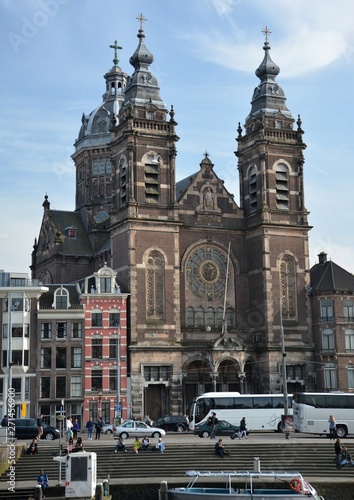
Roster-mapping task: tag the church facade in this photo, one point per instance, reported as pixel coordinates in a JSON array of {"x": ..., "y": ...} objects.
[{"x": 212, "y": 286}]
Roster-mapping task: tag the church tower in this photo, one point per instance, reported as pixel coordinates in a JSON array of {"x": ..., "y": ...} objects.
[{"x": 270, "y": 163}]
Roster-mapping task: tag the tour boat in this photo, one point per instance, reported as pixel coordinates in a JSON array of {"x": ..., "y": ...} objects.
[{"x": 293, "y": 487}]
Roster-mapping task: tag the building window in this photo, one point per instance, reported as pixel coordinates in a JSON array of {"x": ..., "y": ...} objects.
[
  {"x": 61, "y": 299},
  {"x": 97, "y": 348},
  {"x": 113, "y": 380},
  {"x": 330, "y": 376},
  {"x": 348, "y": 311},
  {"x": 155, "y": 274},
  {"x": 190, "y": 316},
  {"x": 252, "y": 185},
  {"x": 45, "y": 387},
  {"x": 101, "y": 167},
  {"x": 328, "y": 340},
  {"x": 61, "y": 357},
  {"x": 16, "y": 384},
  {"x": 93, "y": 410},
  {"x": 105, "y": 411},
  {"x": 75, "y": 386},
  {"x": 61, "y": 329},
  {"x": 19, "y": 358},
  {"x": 114, "y": 319},
  {"x": 76, "y": 357},
  {"x": 76, "y": 330},
  {"x": 46, "y": 357},
  {"x": 349, "y": 339},
  {"x": 350, "y": 373},
  {"x": 96, "y": 319},
  {"x": 60, "y": 387},
  {"x": 113, "y": 348},
  {"x": 27, "y": 388},
  {"x": 282, "y": 186},
  {"x": 96, "y": 380},
  {"x": 288, "y": 286},
  {"x": 152, "y": 183},
  {"x": 156, "y": 373},
  {"x": 295, "y": 372},
  {"x": 105, "y": 285},
  {"x": 46, "y": 330},
  {"x": 326, "y": 311}
]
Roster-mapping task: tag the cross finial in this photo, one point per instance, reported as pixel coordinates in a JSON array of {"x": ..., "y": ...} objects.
[
  {"x": 266, "y": 32},
  {"x": 115, "y": 47},
  {"x": 141, "y": 19}
]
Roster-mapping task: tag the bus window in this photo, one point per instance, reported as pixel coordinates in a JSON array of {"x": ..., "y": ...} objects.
[
  {"x": 265, "y": 402},
  {"x": 243, "y": 403}
]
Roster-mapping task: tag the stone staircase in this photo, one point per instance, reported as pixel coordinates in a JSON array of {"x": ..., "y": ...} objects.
[{"x": 314, "y": 460}]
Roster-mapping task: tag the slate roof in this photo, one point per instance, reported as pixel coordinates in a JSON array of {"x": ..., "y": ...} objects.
[
  {"x": 183, "y": 184},
  {"x": 46, "y": 299},
  {"x": 71, "y": 246},
  {"x": 331, "y": 278}
]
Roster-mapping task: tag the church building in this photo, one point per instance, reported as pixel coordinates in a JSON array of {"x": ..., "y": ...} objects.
[{"x": 212, "y": 285}]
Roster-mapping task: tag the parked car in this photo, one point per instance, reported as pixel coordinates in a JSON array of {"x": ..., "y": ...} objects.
[
  {"x": 135, "y": 428},
  {"x": 26, "y": 428},
  {"x": 222, "y": 428},
  {"x": 107, "y": 428},
  {"x": 175, "y": 423}
]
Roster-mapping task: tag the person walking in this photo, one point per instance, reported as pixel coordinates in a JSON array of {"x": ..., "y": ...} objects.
[
  {"x": 212, "y": 422},
  {"x": 69, "y": 427},
  {"x": 243, "y": 429},
  {"x": 332, "y": 428},
  {"x": 42, "y": 479},
  {"x": 99, "y": 425},
  {"x": 89, "y": 426},
  {"x": 338, "y": 452},
  {"x": 40, "y": 426},
  {"x": 76, "y": 428}
]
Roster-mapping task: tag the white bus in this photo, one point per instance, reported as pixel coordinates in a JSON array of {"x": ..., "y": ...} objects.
[
  {"x": 311, "y": 412},
  {"x": 263, "y": 412}
]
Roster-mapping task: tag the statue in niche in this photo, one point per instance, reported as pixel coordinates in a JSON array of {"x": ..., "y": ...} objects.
[{"x": 208, "y": 199}]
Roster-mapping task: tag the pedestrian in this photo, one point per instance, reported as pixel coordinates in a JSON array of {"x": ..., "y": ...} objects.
[
  {"x": 69, "y": 426},
  {"x": 33, "y": 448},
  {"x": 338, "y": 452},
  {"x": 120, "y": 446},
  {"x": 243, "y": 429},
  {"x": 76, "y": 428},
  {"x": 346, "y": 458},
  {"x": 160, "y": 446},
  {"x": 212, "y": 422},
  {"x": 5, "y": 421},
  {"x": 39, "y": 426},
  {"x": 220, "y": 449},
  {"x": 187, "y": 422},
  {"x": 89, "y": 426},
  {"x": 145, "y": 443},
  {"x": 137, "y": 445},
  {"x": 42, "y": 479},
  {"x": 332, "y": 428},
  {"x": 99, "y": 425}
]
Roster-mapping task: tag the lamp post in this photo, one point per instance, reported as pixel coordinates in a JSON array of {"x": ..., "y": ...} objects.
[
  {"x": 10, "y": 309},
  {"x": 283, "y": 369},
  {"x": 118, "y": 408}
]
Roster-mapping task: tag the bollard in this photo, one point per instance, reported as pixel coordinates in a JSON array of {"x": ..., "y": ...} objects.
[
  {"x": 105, "y": 488},
  {"x": 163, "y": 495},
  {"x": 38, "y": 492},
  {"x": 256, "y": 464},
  {"x": 99, "y": 491}
]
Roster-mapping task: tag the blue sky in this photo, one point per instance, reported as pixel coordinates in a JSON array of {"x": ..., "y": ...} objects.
[{"x": 54, "y": 54}]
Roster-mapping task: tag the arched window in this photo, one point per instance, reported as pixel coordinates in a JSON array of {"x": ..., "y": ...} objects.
[
  {"x": 349, "y": 339},
  {"x": 210, "y": 316},
  {"x": 61, "y": 299},
  {"x": 288, "y": 286},
  {"x": 282, "y": 186},
  {"x": 330, "y": 376},
  {"x": 328, "y": 340},
  {"x": 190, "y": 316},
  {"x": 219, "y": 316},
  {"x": 200, "y": 316},
  {"x": 155, "y": 280},
  {"x": 230, "y": 316},
  {"x": 252, "y": 186},
  {"x": 350, "y": 373}
]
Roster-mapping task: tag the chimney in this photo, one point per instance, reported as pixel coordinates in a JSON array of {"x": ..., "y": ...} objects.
[{"x": 322, "y": 257}]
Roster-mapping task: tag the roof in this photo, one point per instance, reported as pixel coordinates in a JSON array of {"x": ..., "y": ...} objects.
[
  {"x": 183, "y": 184},
  {"x": 331, "y": 278},
  {"x": 46, "y": 300},
  {"x": 61, "y": 221}
]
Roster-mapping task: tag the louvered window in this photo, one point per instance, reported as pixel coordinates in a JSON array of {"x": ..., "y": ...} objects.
[{"x": 282, "y": 187}]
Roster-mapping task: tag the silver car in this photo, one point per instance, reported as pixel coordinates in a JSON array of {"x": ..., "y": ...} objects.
[{"x": 135, "y": 428}]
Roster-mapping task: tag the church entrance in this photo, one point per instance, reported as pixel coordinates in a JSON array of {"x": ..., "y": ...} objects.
[{"x": 156, "y": 401}]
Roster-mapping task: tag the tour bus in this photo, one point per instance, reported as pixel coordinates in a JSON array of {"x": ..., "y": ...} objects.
[
  {"x": 263, "y": 412},
  {"x": 311, "y": 411}
]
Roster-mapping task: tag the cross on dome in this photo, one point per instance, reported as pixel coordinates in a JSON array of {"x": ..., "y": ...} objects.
[
  {"x": 141, "y": 19},
  {"x": 266, "y": 32},
  {"x": 115, "y": 47}
]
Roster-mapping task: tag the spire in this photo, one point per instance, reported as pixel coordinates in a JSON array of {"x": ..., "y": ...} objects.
[
  {"x": 115, "y": 47},
  {"x": 268, "y": 98},
  {"x": 142, "y": 87}
]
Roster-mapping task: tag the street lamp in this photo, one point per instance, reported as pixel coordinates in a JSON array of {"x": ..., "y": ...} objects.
[
  {"x": 283, "y": 371},
  {"x": 10, "y": 309},
  {"x": 118, "y": 408}
]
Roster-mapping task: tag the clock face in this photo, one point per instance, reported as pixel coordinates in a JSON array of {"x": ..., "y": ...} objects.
[{"x": 206, "y": 272}]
